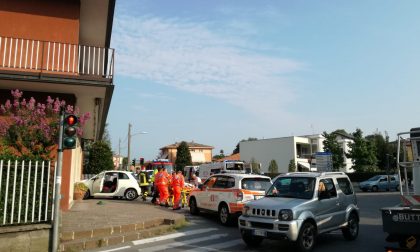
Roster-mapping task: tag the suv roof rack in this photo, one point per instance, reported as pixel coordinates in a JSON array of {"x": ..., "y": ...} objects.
[{"x": 333, "y": 173}]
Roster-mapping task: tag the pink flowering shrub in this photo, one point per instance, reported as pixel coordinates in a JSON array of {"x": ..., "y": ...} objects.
[{"x": 29, "y": 130}]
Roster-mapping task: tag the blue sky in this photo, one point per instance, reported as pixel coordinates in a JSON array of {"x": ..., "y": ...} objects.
[{"x": 217, "y": 72}]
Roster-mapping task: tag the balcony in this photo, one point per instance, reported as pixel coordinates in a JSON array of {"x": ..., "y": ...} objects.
[{"x": 58, "y": 59}]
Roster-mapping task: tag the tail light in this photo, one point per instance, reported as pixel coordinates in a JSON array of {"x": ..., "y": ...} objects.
[{"x": 239, "y": 195}]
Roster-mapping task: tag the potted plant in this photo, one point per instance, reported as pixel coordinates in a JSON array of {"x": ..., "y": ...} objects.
[{"x": 80, "y": 190}]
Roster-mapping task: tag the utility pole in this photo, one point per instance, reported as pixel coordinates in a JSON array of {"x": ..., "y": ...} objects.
[
  {"x": 119, "y": 154},
  {"x": 57, "y": 197},
  {"x": 128, "y": 147}
]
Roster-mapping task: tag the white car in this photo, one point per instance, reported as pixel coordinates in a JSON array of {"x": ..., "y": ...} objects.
[
  {"x": 226, "y": 194},
  {"x": 113, "y": 184}
]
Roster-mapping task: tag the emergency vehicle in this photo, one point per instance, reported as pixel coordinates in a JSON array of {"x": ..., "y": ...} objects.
[
  {"x": 235, "y": 166},
  {"x": 161, "y": 163},
  {"x": 189, "y": 170},
  {"x": 226, "y": 194}
]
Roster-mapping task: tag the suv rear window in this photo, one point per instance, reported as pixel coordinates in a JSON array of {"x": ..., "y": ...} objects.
[
  {"x": 255, "y": 184},
  {"x": 345, "y": 186}
]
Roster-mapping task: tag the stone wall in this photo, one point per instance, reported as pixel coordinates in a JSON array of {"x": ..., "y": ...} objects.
[{"x": 25, "y": 238}]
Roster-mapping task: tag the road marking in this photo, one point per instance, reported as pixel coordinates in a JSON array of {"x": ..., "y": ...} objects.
[
  {"x": 217, "y": 247},
  {"x": 179, "y": 244},
  {"x": 171, "y": 236},
  {"x": 116, "y": 249}
]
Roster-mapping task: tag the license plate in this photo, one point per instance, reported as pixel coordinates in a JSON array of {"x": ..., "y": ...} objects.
[
  {"x": 256, "y": 197},
  {"x": 260, "y": 232}
]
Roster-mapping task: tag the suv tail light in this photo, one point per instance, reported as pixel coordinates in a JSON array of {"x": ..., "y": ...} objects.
[{"x": 239, "y": 195}]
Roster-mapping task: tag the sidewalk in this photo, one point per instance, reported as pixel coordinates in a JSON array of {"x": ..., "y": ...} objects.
[{"x": 101, "y": 222}]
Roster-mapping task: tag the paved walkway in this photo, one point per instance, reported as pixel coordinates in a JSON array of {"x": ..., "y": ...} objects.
[
  {"x": 91, "y": 213},
  {"x": 101, "y": 222}
]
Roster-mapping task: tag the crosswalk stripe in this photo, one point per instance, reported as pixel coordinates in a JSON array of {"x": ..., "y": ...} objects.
[
  {"x": 116, "y": 249},
  {"x": 179, "y": 244},
  {"x": 172, "y": 236},
  {"x": 217, "y": 247}
]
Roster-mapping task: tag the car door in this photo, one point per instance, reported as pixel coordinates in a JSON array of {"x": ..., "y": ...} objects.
[
  {"x": 221, "y": 191},
  {"x": 328, "y": 206},
  {"x": 203, "y": 196},
  {"x": 383, "y": 183},
  {"x": 97, "y": 183}
]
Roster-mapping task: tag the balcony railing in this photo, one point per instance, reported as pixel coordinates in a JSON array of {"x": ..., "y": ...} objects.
[{"x": 54, "y": 57}]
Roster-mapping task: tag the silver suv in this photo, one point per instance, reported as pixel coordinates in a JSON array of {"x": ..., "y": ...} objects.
[{"x": 299, "y": 206}]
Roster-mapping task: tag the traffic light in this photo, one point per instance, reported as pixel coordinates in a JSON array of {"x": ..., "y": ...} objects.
[
  {"x": 141, "y": 161},
  {"x": 70, "y": 130},
  {"x": 133, "y": 162}
]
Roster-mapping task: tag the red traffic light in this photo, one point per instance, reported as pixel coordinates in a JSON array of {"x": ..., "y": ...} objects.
[{"x": 71, "y": 120}]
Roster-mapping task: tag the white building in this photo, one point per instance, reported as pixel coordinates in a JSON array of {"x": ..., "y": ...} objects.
[{"x": 302, "y": 149}]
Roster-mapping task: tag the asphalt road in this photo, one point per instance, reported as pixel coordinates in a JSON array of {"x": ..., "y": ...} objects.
[{"x": 204, "y": 233}]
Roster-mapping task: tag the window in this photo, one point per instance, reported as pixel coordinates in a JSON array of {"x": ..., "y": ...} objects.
[
  {"x": 224, "y": 182},
  {"x": 345, "y": 186},
  {"x": 292, "y": 187},
  {"x": 329, "y": 187},
  {"x": 122, "y": 176},
  {"x": 256, "y": 184},
  {"x": 210, "y": 182}
]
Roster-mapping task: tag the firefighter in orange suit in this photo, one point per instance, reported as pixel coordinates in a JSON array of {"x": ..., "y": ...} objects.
[
  {"x": 164, "y": 180},
  {"x": 177, "y": 185}
]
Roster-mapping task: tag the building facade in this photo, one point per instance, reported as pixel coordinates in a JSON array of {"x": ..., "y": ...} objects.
[
  {"x": 301, "y": 149},
  {"x": 60, "y": 49},
  {"x": 200, "y": 153}
]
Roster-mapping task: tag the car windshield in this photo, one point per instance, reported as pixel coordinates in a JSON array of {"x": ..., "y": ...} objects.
[
  {"x": 256, "y": 184},
  {"x": 292, "y": 187},
  {"x": 375, "y": 178}
]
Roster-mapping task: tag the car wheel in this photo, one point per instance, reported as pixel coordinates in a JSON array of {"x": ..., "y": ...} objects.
[
  {"x": 374, "y": 189},
  {"x": 351, "y": 232},
  {"x": 87, "y": 195},
  {"x": 251, "y": 241},
  {"x": 306, "y": 238},
  {"x": 194, "y": 210},
  {"x": 224, "y": 215},
  {"x": 130, "y": 194}
]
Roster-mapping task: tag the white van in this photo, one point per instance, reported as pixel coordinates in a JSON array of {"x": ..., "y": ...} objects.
[
  {"x": 189, "y": 170},
  {"x": 227, "y": 166}
]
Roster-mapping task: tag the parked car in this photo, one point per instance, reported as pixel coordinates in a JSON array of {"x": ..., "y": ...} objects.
[
  {"x": 120, "y": 184},
  {"x": 380, "y": 183},
  {"x": 299, "y": 206},
  {"x": 226, "y": 194}
]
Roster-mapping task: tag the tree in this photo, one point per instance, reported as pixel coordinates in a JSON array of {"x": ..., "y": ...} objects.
[
  {"x": 255, "y": 166},
  {"x": 100, "y": 158},
  {"x": 29, "y": 129},
  {"x": 292, "y": 166},
  {"x": 383, "y": 151},
  {"x": 236, "y": 150},
  {"x": 331, "y": 145},
  {"x": 273, "y": 167},
  {"x": 183, "y": 156},
  {"x": 362, "y": 152},
  {"x": 106, "y": 137},
  {"x": 220, "y": 155}
]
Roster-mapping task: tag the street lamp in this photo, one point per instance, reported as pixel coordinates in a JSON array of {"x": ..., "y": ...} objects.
[{"x": 129, "y": 143}]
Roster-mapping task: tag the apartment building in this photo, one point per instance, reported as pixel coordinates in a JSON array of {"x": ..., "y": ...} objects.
[
  {"x": 200, "y": 153},
  {"x": 301, "y": 149},
  {"x": 60, "y": 49}
]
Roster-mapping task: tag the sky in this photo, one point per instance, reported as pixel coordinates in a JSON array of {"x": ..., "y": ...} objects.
[{"x": 217, "y": 72}]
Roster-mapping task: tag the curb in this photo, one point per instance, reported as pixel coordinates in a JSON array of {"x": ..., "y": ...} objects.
[{"x": 101, "y": 237}]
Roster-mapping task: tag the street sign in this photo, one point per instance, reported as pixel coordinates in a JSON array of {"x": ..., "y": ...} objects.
[{"x": 324, "y": 161}]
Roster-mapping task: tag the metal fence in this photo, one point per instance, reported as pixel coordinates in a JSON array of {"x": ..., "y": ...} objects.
[
  {"x": 37, "y": 55},
  {"x": 26, "y": 192}
]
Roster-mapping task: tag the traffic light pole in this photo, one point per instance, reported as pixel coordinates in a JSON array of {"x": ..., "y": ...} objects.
[
  {"x": 57, "y": 193},
  {"x": 128, "y": 147}
]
